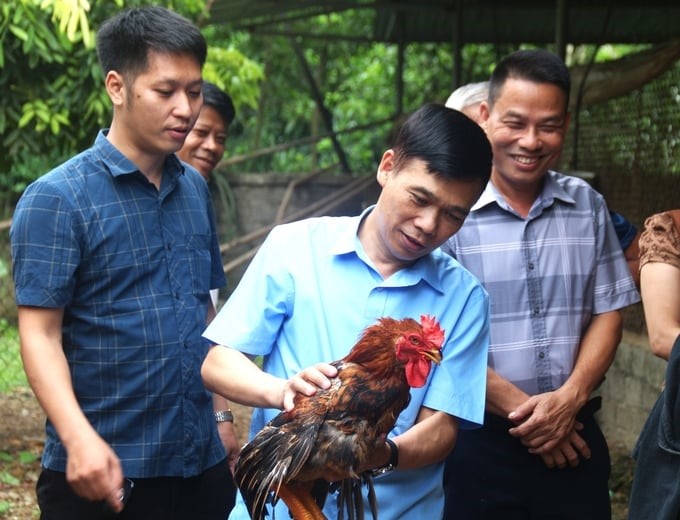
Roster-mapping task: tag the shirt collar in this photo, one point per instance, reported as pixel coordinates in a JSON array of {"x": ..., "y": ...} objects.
[
  {"x": 552, "y": 190},
  {"x": 348, "y": 240},
  {"x": 426, "y": 268},
  {"x": 118, "y": 164}
]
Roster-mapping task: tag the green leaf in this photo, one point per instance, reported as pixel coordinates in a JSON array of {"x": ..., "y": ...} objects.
[
  {"x": 26, "y": 118},
  {"x": 27, "y": 457},
  {"x": 19, "y": 32},
  {"x": 9, "y": 479}
]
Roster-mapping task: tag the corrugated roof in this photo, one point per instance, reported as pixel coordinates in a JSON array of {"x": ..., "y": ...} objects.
[{"x": 480, "y": 21}]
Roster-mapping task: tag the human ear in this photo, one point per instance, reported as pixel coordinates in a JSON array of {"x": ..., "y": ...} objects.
[
  {"x": 385, "y": 167},
  {"x": 115, "y": 87},
  {"x": 484, "y": 112}
]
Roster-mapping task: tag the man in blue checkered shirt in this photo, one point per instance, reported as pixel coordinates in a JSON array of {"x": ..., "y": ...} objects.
[{"x": 115, "y": 252}]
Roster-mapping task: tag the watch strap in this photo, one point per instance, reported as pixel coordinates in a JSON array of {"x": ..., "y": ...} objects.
[{"x": 224, "y": 416}]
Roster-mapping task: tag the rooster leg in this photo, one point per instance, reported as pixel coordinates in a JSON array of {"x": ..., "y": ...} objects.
[{"x": 300, "y": 503}]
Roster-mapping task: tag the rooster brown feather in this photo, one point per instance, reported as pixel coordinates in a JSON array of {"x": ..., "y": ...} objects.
[{"x": 335, "y": 431}]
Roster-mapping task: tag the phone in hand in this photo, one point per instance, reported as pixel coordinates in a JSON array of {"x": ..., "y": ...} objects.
[{"x": 125, "y": 493}]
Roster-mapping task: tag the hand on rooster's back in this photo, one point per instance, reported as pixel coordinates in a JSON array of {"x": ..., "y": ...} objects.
[{"x": 327, "y": 438}]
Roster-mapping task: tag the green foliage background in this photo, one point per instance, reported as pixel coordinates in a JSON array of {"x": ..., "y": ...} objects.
[
  {"x": 53, "y": 101},
  {"x": 12, "y": 370}
]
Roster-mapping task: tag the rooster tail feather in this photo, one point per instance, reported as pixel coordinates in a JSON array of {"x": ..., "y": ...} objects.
[
  {"x": 357, "y": 499},
  {"x": 257, "y": 503},
  {"x": 268, "y": 461},
  {"x": 255, "y": 495},
  {"x": 351, "y": 500},
  {"x": 342, "y": 500},
  {"x": 319, "y": 492},
  {"x": 367, "y": 479},
  {"x": 256, "y": 487},
  {"x": 253, "y": 474}
]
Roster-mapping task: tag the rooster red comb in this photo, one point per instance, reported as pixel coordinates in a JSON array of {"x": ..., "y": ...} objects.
[{"x": 431, "y": 330}]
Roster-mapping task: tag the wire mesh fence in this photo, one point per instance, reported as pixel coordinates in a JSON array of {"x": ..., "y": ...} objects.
[
  {"x": 632, "y": 145},
  {"x": 11, "y": 372}
]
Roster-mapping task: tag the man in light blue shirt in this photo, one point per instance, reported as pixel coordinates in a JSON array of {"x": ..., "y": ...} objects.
[{"x": 316, "y": 284}]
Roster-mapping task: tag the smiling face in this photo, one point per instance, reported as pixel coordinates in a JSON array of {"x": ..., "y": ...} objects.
[
  {"x": 205, "y": 144},
  {"x": 526, "y": 126},
  {"x": 416, "y": 212}
]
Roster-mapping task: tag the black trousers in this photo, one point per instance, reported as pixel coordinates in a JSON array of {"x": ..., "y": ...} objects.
[
  {"x": 490, "y": 475},
  {"x": 208, "y": 496}
]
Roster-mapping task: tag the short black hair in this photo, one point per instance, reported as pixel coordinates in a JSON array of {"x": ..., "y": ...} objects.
[
  {"x": 217, "y": 99},
  {"x": 125, "y": 39},
  {"x": 535, "y": 65},
  {"x": 450, "y": 143}
]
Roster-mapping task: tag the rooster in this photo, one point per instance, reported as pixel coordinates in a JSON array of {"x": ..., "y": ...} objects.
[{"x": 336, "y": 430}]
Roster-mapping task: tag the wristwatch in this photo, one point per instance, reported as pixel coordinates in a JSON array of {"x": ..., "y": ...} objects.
[
  {"x": 391, "y": 463},
  {"x": 224, "y": 416}
]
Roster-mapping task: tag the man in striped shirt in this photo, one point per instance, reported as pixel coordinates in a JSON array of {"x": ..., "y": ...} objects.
[{"x": 544, "y": 247}]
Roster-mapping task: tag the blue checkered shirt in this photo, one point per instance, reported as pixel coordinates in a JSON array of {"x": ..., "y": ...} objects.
[
  {"x": 132, "y": 267},
  {"x": 546, "y": 275}
]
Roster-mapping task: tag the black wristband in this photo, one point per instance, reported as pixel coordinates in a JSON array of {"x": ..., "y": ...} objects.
[
  {"x": 394, "y": 453},
  {"x": 392, "y": 462}
]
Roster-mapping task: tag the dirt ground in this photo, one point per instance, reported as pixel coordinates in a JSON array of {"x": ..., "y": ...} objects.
[
  {"x": 21, "y": 436},
  {"x": 21, "y": 431},
  {"x": 21, "y": 441}
]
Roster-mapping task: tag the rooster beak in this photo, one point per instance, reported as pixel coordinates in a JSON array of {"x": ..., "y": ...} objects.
[{"x": 434, "y": 355}]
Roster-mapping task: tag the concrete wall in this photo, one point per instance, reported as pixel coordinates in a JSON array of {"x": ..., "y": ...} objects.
[
  {"x": 258, "y": 196},
  {"x": 255, "y": 200},
  {"x": 630, "y": 389}
]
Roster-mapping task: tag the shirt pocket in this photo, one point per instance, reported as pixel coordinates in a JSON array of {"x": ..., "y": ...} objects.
[{"x": 198, "y": 259}]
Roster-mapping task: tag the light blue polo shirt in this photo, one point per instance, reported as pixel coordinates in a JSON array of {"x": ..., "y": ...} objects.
[{"x": 306, "y": 297}]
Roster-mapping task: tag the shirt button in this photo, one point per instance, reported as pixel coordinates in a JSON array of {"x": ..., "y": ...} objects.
[
  {"x": 531, "y": 266},
  {"x": 537, "y": 311},
  {"x": 541, "y": 355}
]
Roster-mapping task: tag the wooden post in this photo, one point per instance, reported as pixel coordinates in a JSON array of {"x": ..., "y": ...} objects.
[{"x": 318, "y": 98}]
